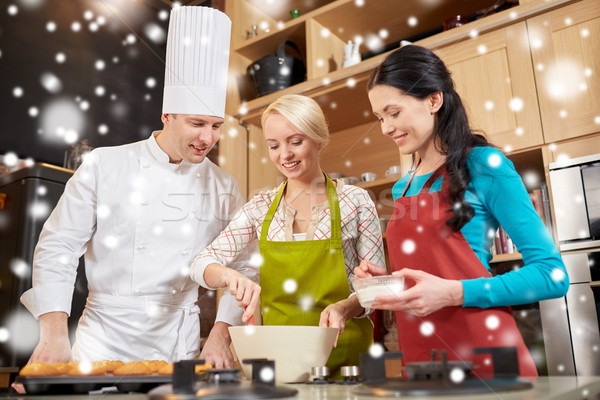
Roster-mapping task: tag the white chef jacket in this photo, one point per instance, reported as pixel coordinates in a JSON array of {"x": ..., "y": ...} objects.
[{"x": 140, "y": 220}]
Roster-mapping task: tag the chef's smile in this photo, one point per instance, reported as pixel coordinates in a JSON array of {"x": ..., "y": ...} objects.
[{"x": 199, "y": 149}]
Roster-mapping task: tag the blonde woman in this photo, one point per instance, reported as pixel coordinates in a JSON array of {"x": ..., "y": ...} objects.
[{"x": 312, "y": 232}]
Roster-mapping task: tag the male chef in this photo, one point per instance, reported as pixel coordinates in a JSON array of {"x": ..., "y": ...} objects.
[{"x": 140, "y": 212}]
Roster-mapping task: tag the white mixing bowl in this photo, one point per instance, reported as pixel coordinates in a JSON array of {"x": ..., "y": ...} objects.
[{"x": 295, "y": 349}]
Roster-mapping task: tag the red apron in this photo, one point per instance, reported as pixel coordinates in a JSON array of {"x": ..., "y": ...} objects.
[{"x": 418, "y": 238}]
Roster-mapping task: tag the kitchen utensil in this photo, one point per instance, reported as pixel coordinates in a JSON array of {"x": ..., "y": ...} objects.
[
  {"x": 295, "y": 349},
  {"x": 393, "y": 170},
  {"x": 453, "y": 22},
  {"x": 368, "y": 176},
  {"x": 274, "y": 72},
  {"x": 350, "y": 180},
  {"x": 369, "y": 288},
  {"x": 85, "y": 384}
]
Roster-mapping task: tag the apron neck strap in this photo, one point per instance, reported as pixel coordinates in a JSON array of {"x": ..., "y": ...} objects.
[
  {"x": 334, "y": 212},
  {"x": 432, "y": 178},
  {"x": 429, "y": 182}
]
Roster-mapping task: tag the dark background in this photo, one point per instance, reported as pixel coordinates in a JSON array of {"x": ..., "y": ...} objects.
[{"x": 128, "y": 110}]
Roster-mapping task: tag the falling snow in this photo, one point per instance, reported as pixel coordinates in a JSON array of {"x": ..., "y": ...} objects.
[
  {"x": 256, "y": 260},
  {"x": 457, "y": 375},
  {"x": 492, "y": 322},
  {"x": 20, "y": 268},
  {"x": 494, "y": 160},
  {"x": 290, "y": 286},
  {"x": 558, "y": 275},
  {"x": 426, "y": 328},
  {"x": 408, "y": 246},
  {"x": 82, "y": 57},
  {"x": 376, "y": 350}
]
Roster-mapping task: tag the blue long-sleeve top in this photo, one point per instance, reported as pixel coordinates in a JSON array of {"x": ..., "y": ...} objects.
[{"x": 498, "y": 196}]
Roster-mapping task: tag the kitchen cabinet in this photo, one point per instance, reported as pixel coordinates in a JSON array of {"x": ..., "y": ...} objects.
[
  {"x": 232, "y": 151},
  {"x": 320, "y": 32},
  {"x": 574, "y": 148},
  {"x": 490, "y": 60},
  {"x": 494, "y": 76},
  {"x": 564, "y": 48}
]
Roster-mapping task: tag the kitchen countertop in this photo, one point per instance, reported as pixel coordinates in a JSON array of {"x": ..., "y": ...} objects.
[{"x": 547, "y": 388}]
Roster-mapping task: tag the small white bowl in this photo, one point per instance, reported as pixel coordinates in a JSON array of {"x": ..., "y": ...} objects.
[{"x": 369, "y": 288}]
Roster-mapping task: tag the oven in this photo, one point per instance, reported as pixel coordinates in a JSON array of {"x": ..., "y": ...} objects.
[
  {"x": 583, "y": 308},
  {"x": 575, "y": 187}
]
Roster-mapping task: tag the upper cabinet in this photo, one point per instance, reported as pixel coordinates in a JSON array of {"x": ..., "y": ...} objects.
[
  {"x": 565, "y": 46},
  {"x": 526, "y": 74},
  {"x": 494, "y": 76},
  {"x": 320, "y": 32}
]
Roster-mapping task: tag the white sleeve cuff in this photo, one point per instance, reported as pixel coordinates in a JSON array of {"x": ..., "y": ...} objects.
[
  {"x": 48, "y": 298},
  {"x": 228, "y": 311},
  {"x": 365, "y": 313},
  {"x": 197, "y": 270}
]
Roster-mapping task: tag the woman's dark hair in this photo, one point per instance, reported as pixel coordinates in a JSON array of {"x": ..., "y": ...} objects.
[{"x": 418, "y": 72}]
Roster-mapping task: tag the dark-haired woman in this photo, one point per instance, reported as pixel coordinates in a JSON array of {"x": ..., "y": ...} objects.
[{"x": 446, "y": 212}]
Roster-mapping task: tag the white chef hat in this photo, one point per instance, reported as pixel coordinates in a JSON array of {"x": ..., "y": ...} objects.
[{"x": 197, "y": 61}]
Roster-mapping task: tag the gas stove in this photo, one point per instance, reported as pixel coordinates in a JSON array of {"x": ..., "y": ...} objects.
[
  {"x": 441, "y": 377},
  {"x": 222, "y": 384},
  {"x": 428, "y": 378}
]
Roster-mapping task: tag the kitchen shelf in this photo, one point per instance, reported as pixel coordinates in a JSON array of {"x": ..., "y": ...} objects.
[
  {"x": 387, "y": 182},
  {"x": 341, "y": 91},
  {"x": 341, "y": 94},
  {"x": 498, "y": 258},
  {"x": 280, "y": 10},
  {"x": 324, "y": 27},
  {"x": 261, "y": 45}
]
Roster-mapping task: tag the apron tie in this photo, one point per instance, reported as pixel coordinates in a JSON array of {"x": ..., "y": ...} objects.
[{"x": 177, "y": 308}]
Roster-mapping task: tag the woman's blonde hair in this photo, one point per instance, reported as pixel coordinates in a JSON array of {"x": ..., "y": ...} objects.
[{"x": 304, "y": 113}]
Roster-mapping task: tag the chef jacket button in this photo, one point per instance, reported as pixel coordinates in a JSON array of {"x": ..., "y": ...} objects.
[
  {"x": 173, "y": 291},
  {"x": 141, "y": 247},
  {"x": 198, "y": 176},
  {"x": 137, "y": 292},
  {"x": 185, "y": 252}
]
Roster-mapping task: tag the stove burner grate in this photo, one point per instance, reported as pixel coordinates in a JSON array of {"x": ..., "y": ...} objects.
[
  {"x": 222, "y": 384},
  {"x": 433, "y": 378}
]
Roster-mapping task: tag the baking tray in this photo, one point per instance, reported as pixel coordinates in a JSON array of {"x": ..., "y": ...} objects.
[{"x": 86, "y": 384}]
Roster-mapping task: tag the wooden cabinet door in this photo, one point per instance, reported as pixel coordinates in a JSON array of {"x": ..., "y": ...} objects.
[
  {"x": 565, "y": 46},
  {"x": 262, "y": 173},
  {"x": 494, "y": 76},
  {"x": 233, "y": 152}
]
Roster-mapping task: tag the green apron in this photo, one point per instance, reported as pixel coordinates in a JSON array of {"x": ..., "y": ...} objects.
[{"x": 317, "y": 270}]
